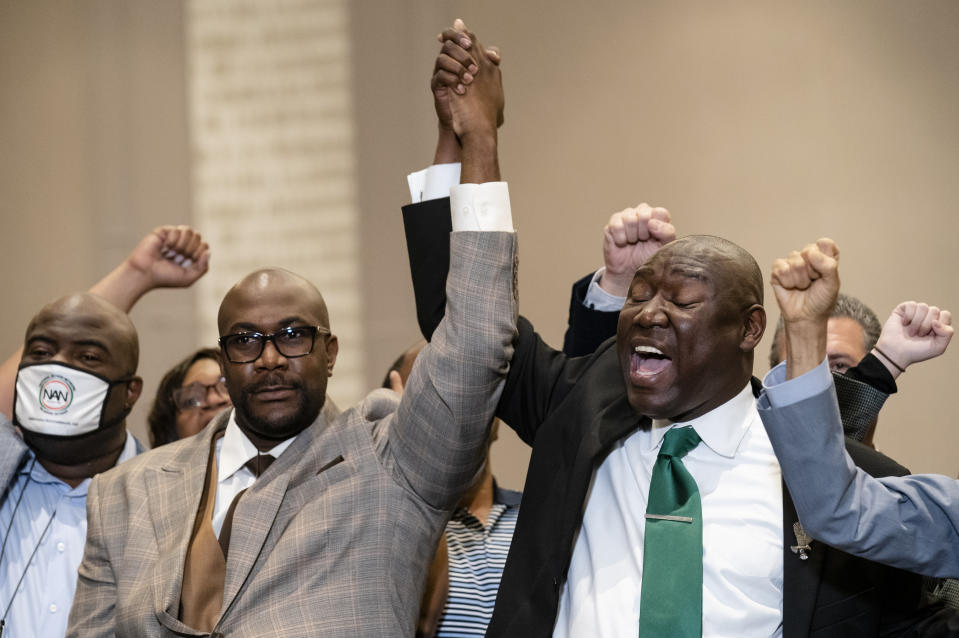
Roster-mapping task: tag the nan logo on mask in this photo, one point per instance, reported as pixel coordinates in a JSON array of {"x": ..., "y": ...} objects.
[
  {"x": 58, "y": 399},
  {"x": 56, "y": 394}
]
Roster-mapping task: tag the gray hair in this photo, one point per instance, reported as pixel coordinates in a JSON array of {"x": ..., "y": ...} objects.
[{"x": 846, "y": 306}]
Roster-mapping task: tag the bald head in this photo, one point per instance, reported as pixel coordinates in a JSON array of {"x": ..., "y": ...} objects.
[
  {"x": 280, "y": 388},
  {"x": 687, "y": 331},
  {"x": 736, "y": 273},
  {"x": 86, "y": 317},
  {"x": 270, "y": 282}
]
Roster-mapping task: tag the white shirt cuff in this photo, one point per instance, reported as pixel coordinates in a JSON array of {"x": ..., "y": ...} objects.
[
  {"x": 433, "y": 182},
  {"x": 598, "y": 299},
  {"x": 481, "y": 207},
  {"x": 782, "y": 393}
]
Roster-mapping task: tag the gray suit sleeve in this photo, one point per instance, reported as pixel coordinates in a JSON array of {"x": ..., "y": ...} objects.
[
  {"x": 437, "y": 439},
  {"x": 910, "y": 522}
]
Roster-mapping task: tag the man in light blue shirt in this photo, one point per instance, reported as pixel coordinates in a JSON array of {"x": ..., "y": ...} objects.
[
  {"x": 75, "y": 384},
  {"x": 910, "y": 522},
  {"x": 44, "y": 520}
]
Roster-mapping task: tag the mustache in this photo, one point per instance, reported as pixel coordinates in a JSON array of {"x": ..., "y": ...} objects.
[{"x": 272, "y": 380}]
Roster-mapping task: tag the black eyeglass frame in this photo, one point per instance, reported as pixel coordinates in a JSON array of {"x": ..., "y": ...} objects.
[{"x": 261, "y": 338}]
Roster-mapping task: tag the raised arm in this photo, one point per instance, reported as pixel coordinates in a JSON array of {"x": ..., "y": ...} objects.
[
  {"x": 439, "y": 434},
  {"x": 168, "y": 257},
  {"x": 909, "y": 522},
  {"x": 426, "y": 221}
]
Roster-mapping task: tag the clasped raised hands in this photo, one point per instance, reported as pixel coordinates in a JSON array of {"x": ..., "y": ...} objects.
[{"x": 467, "y": 84}]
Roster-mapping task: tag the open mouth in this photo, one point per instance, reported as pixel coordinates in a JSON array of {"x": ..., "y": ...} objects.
[{"x": 647, "y": 362}]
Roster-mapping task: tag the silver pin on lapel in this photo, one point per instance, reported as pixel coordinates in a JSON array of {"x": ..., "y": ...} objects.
[{"x": 802, "y": 542}]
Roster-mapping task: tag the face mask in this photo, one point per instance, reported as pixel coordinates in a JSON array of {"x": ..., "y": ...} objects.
[{"x": 56, "y": 403}]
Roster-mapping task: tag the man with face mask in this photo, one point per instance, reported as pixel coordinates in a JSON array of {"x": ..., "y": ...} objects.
[{"x": 75, "y": 384}]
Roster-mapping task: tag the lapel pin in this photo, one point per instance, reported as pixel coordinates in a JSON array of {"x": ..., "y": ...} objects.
[{"x": 802, "y": 542}]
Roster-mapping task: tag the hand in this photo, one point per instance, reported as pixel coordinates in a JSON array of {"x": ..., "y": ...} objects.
[
  {"x": 396, "y": 382},
  {"x": 170, "y": 257},
  {"x": 454, "y": 70},
  {"x": 630, "y": 238},
  {"x": 914, "y": 332},
  {"x": 806, "y": 283},
  {"x": 478, "y": 109}
]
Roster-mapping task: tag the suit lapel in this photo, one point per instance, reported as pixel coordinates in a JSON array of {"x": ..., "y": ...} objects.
[
  {"x": 175, "y": 489},
  {"x": 801, "y": 578},
  {"x": 611, "y": 424},
  {"x": 262, "y": 513}
]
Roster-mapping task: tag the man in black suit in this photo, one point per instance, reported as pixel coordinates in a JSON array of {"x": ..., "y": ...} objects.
[{"x": 683, "y": 356}]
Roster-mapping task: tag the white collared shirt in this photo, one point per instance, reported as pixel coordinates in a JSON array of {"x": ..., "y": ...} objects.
[
  {"x": 232, "y": 477},
  {"x": 740, "y": 484}
]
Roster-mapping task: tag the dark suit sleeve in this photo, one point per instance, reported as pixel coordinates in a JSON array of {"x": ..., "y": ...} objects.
[
  {"x": 428, "y": 227},
  {"x": 587, "y": 327},
  {"x": 539, "y": 378},
  {"x": 861, "y": 392}
]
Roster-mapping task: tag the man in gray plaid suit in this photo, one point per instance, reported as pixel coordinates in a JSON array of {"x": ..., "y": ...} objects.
[{"x": 210, "y": 536}]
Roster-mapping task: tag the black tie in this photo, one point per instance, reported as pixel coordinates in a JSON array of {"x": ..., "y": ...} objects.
[{"x": 257, "y": 465}]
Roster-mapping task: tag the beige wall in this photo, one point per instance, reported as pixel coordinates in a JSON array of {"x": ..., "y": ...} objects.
[
  {"x": 95, "y": 154},
  {"x": 768, "y": 123}
]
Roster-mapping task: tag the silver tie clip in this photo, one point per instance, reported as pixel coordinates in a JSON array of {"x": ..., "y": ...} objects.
[{"x": 670, "y": 517}]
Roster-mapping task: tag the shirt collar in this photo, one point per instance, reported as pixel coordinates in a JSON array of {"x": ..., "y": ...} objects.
[
  {"x": 722, "y": 429},
  {"x": 39, "y": 474},
  {"x": 236, "y": 449}
]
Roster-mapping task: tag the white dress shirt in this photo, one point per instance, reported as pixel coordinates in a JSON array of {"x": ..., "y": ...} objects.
[
  {"x": 233, "y": 450},
  {"x": 740, "y": 485}
]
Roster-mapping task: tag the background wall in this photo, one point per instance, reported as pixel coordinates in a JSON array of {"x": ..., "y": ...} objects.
[
  {"x": 768, "y": 123},
  {"x": 93, "y": 126}
]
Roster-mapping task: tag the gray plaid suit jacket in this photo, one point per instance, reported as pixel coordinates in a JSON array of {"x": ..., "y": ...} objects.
[{"x": 335, "y": 537}]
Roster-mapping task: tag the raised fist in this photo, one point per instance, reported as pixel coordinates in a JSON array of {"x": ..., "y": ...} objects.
[
  {"x": 171, "y": 257},
  {"x": 914, "y": 332},
  {"x": 630, "y": 238},
  {"x": 806, "y": 282}
]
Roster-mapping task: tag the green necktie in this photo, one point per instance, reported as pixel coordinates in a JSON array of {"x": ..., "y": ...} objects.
[{"x": 671, "y": 603}]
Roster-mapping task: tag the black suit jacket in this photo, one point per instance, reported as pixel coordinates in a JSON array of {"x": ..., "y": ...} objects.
[{"x": 571, "y": 411}]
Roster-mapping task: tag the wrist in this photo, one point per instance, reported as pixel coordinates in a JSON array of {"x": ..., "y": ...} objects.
[
  {"x": 890, "y": 359},
  {"x": 479, "y": 137},
  {"x": 616, "y": 284},
  {"x": 805, "y": 345},
  {"x": 480, "y": 157},
  {"x": 124, "y": 286},
  {"x": 447, "y": 146}
]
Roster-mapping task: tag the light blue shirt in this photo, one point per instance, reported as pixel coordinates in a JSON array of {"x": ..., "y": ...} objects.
[
  {"x": 50, "y": 518},
  {"x": 782, "y": 393}
]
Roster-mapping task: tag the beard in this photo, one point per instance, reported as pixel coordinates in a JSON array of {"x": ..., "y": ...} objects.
[{"x": 282, "y": 424}]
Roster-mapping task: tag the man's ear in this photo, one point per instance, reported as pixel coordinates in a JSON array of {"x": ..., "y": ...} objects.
[
  {"x": 332, "y": 348},
  {"x": 134, "y": 388},
  {"x": 754, "y": 325}
]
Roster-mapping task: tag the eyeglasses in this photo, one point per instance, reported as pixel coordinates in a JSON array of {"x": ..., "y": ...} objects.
[
  {"x": 246, "y": 347},
  {"x": 193, "y": 396}
]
